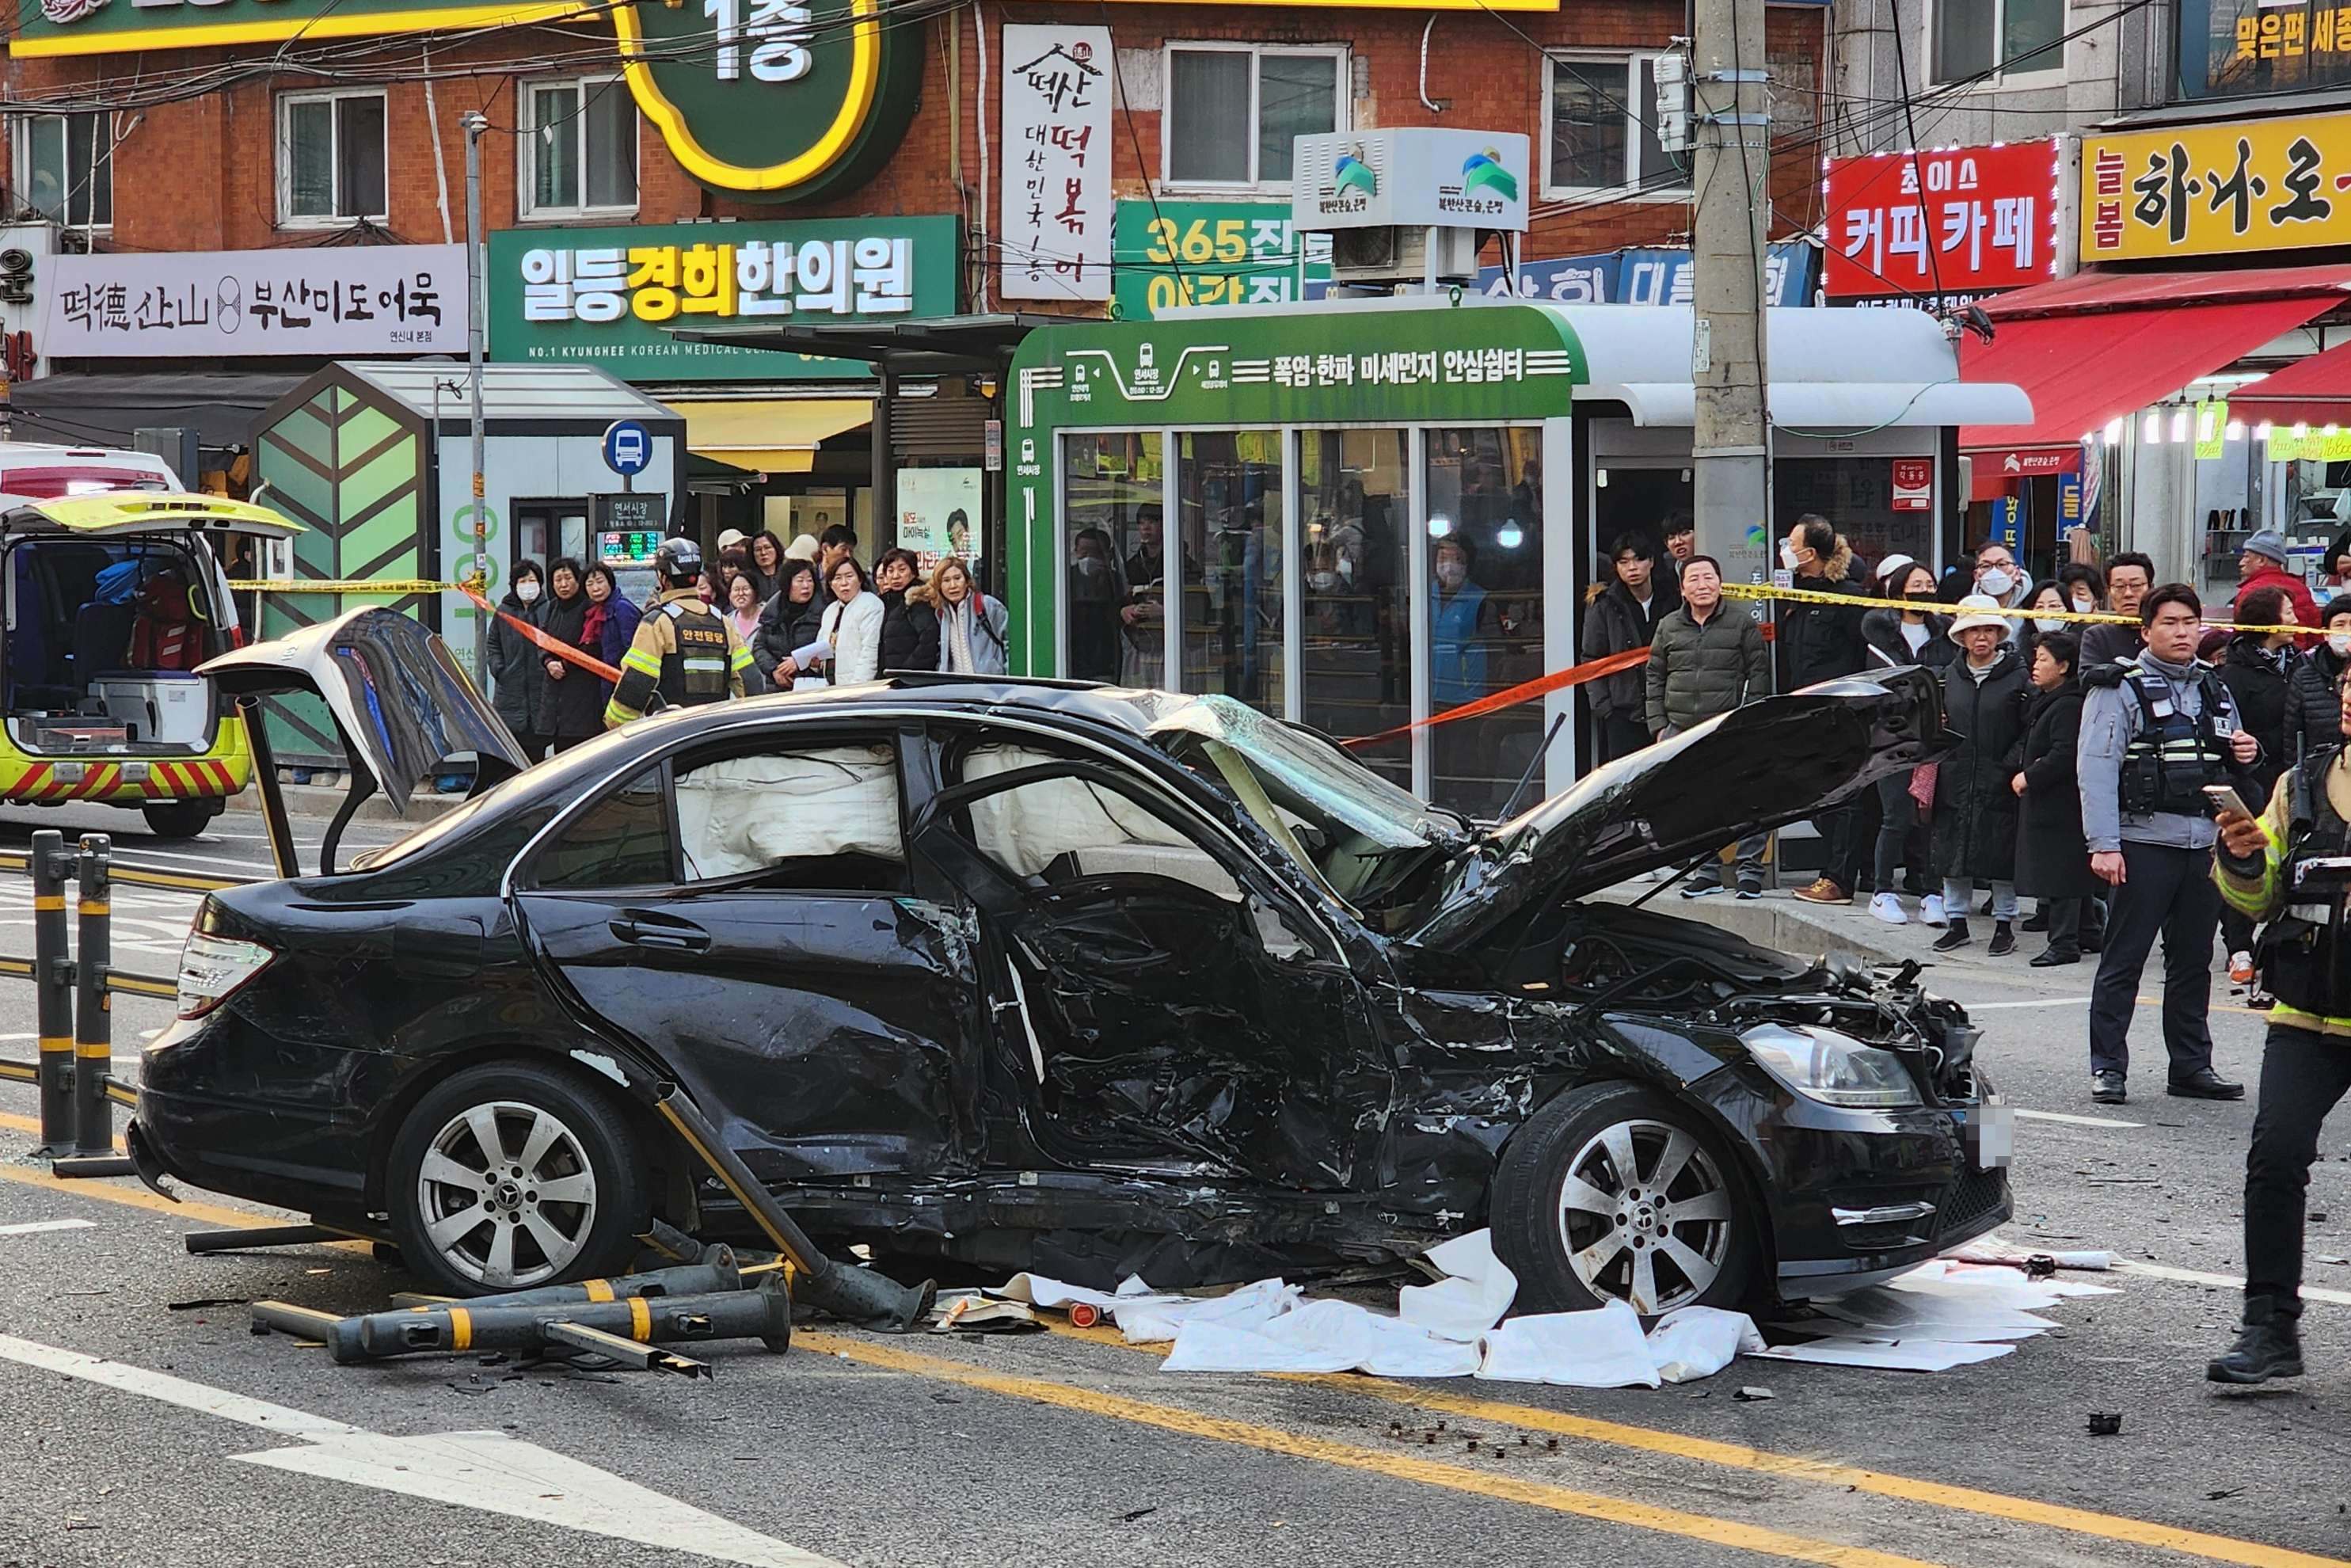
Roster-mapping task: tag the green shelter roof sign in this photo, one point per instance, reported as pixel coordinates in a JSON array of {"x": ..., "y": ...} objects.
[{"x": 1302, "y": 366}]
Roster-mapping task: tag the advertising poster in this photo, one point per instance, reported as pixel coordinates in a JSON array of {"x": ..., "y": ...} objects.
[{"x": 939, "y": 512}]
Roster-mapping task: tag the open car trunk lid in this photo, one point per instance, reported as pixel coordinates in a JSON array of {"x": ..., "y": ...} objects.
[
  {"x": 396, "y": 691},
  {"x": 130, "y": 512},
  {"x": 1761, "y": 766}
]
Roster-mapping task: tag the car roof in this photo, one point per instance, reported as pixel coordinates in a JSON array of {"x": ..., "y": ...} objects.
[{"x": 1110, "y": 707}]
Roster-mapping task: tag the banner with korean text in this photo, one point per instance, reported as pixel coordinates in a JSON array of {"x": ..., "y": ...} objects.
[
  {"x": 2204, "y": 190},
  {"x": 336, "y": 301},
  {"x": 1953, "y": 220}
]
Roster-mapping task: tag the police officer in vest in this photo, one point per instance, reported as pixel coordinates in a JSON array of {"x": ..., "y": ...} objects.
[
  {"x": 2290, "y": 867},
  {"x": 2155, "y": 730},
  {"x": 684, "y": 655}
]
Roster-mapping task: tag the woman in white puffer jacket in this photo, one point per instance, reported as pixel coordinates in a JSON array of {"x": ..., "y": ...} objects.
[{"x": 849, "y": 639}]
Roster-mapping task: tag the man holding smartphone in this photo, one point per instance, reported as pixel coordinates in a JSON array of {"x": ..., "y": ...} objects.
[
  {"x": 2290, "y": 867},
  {"x": 2155, "y": 729}
]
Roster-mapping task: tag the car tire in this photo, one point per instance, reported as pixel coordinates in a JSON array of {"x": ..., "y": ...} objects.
[
  {"x": 1698, "y": 1246},
  {"x": 584, "y": 1146},
  {"x": 178, "y": 819}
]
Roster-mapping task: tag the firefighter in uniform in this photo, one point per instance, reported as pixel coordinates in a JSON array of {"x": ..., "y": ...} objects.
[
  {"x": 2292, "y": 868},
  {"x": 684, "y": 655}
]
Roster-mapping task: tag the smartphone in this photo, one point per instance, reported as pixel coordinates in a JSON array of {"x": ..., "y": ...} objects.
[{"x": 2225, "y": 799}]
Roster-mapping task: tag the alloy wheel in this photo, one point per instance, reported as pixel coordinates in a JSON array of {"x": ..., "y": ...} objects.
[
  {"x": 506, "y": 1194},
  {"x": 1646, "y": 1215}
]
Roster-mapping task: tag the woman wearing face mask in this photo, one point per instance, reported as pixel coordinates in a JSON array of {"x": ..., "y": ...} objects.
[
  {"x": 2084, "y": 588},
  {"x": 2257, "y": 669},
  {"x": 2313, "y": 710},
  {"x": 1460, "y": 626},
  {"x": 518, "y": 684},
  {"x": 791, "y": 620},
  {"x": 1096, "y": 594},
  {"x": 1907, "y": 632},
  {"x": 2043, "y": 608}
]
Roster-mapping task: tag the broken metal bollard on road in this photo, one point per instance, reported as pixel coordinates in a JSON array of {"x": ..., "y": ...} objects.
[
  {"x": 861, "y": 1296},
  {"x": 93, "y": 1152},
  {"x": 764, "y": 1313}
]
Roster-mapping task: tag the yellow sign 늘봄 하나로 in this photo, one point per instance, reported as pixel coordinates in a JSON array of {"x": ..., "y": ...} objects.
[{"x": 2257, "y": 185}]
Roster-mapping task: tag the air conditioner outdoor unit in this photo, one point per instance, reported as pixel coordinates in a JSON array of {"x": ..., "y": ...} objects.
[{"x": 1402, "y": 253}]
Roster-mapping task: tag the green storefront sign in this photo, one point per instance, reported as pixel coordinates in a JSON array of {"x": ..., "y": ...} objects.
[
  {"x": 1169, "y": 254},
  {"x": 610, "y": 296},
  {"x": 1315, "y": 366},
  {"x": 776, "y": 101}
]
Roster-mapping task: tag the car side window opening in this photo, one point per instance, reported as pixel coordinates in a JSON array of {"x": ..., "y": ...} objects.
[
  {"x": 622, "y": 841},
  {"x": 1053, "y": 830},
  {"x": 815, "y": 817}
]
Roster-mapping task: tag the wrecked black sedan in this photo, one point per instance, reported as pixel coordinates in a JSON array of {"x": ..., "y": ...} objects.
[{"x": 1088, "y": 982}]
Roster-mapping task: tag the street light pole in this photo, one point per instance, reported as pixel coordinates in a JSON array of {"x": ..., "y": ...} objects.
[{"x": 477, "y": 122}]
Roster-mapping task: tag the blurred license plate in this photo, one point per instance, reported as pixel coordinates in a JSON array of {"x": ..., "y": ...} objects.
[{"x": 1991, "y": 1131}]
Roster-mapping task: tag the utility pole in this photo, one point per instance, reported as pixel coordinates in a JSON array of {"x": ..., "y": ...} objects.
[
  {"x": 477, "y": 313},
  {"x": 1729, "y": 172}
]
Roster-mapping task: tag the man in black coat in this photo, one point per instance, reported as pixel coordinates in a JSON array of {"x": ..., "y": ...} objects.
[
  {"x": 2053, "y": 861},
  {"x": 1820, "y": 642},
  {"x": 1622, "y": 618}
]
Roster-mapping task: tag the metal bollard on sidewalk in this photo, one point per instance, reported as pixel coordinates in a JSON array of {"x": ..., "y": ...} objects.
[
  {"x": 53, "y": 990},
  {"x": 93, "y": 1051}
]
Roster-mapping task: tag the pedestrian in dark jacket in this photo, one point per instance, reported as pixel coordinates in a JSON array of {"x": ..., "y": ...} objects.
[
  {"x": 1706, "y": 660},
  {"x": 518, "y": 684},
  {"x": 612, "y": 619},
  {"x": 789, "y": 621},
  {"x": 2257, "y": 669},
  {"x": 1906, "y": 632},
  {"x": 2053, "y": 861},
  {"x": 574, "y": 709},
  {"x": 2313, "y": 710},
  {"x": 2129, "y": 576},
  {"x": 1820, "y": 642},
  {"x": 1975, "y": 810},
  {"x": 910, "y": 633},
  {"x": 1622, "y": 618}
]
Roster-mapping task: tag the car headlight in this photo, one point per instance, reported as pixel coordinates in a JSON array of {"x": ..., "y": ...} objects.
[
  {"x": 1832, "y": 1068},
  {"x": 211, "y": 968}
]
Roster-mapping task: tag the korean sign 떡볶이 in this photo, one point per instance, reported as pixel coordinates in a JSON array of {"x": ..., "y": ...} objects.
[
  {"x": 1957, "y": 220},
  {"x": 1057, "y": 191},
  {"x": 2256, "y": 185},
  {"x": 318, "y": 300},
  {"x": 610, "y": 296},
  {"x": 1171, "y": 254}
]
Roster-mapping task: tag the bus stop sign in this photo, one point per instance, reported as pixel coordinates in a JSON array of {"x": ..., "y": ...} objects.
[{"x": 628, "y": 447}]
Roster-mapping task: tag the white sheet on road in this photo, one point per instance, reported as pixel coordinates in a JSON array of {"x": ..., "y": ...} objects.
[
  {"x": 1477, "y": 1290},
  {"x": 1890, "y": 1355},
  {"x": 1602, "y": 1349},
  {"x": 1691, "y": 1342}
]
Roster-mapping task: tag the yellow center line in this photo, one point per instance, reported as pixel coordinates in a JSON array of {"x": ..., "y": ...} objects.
[
  {"x": 1398, "y": 1467},
  {"x": 1736, "y": 1456}
]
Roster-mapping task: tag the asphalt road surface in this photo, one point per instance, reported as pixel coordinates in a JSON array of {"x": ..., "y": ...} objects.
[
  {"x": 232, "y": 845},
  {"x": 199, "y": 1444}
]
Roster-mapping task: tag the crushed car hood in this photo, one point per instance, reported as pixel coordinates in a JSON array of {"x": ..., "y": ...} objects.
[
  {"x": 395, "y": 689},
  {"x": 1761, "y": 766}
]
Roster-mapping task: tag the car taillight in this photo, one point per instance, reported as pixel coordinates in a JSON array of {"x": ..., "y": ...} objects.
[{"x": 212, "y": 968}]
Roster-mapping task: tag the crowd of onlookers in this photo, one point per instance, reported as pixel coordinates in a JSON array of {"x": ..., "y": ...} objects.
[
  {"x": 2088, "y": 757},
  {"x": 810, "y": 613}
]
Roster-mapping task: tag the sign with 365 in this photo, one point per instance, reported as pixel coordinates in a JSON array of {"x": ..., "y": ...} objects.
[{"x": 1171, "y": 254}]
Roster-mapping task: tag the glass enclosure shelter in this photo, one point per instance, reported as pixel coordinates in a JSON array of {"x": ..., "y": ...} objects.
[{"x": 1339, "y": 513}]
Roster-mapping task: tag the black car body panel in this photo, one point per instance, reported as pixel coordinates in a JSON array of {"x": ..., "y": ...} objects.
[{"x": 1269, "y": 1030}]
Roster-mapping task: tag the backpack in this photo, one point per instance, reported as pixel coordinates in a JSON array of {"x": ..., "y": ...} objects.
[{"x": 166, "y": 635}]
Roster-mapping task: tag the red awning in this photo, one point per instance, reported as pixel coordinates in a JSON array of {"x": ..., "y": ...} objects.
[
  {"x": 2094, "y": 347},
  {"x": 1996, "y": 472},
  {"x": 2316, "y": 390}
]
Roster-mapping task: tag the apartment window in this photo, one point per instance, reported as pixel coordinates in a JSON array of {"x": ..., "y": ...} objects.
[
  {"x": 1601, "y": 113},
  {"x": 2010, "y": 38},
  {"x": 330, "y": 156},
  {"x": 580, "y": 154},
  {"x": 66, "y": 162},
  {"x": 1233, "y": 112}
]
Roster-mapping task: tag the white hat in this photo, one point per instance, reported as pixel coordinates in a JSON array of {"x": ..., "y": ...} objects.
[
  {"x": 1893, "y": 564},
  {"x": 802, "y": 548},
  {"x": 730, "y": 537},
  {"x": 1978, "y": 610}
]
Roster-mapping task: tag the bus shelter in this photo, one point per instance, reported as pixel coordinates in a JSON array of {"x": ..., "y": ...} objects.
[{"x": 1361, "y": 514}]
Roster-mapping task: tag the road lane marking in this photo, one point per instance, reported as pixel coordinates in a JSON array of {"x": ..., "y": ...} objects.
[
  {"x": 139, "y": 1198},
  {"x": 1349, "y": 1456},
  {"x": 2073, "y": 1121},
  {"x": 35, "y": 1228},
  {"x": 1789, "y": 1467},
  {"x": 487, "y": 1470},
  {"x": 2224, "y": 1282},
  {"x": 2037, "y": 1002}
]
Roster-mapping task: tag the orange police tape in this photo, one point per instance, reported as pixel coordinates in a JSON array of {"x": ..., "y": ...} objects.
[
  {"x": 1526, "y": 691},
  {"x": 555, "y": 645}
]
